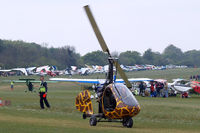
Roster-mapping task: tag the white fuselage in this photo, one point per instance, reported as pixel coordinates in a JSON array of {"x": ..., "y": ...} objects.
[{"x": 180, "y": 85}]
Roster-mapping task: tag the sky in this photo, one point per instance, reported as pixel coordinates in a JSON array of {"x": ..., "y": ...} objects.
[{"x": 125, "y": 24}]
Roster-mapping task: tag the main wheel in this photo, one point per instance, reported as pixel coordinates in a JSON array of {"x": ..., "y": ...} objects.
[
  {"x": 93, "y": 121},
  {"x": 127, "y": 123}
]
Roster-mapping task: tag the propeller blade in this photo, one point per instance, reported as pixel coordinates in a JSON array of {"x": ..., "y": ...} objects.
[
  {"x": 96, "y": 30},
  {"x": 122, "y": 74}
]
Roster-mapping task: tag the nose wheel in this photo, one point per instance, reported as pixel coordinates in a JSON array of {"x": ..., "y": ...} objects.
[
  {"x": 127, "y": 122},
  {"x": 93, "y": 121}
]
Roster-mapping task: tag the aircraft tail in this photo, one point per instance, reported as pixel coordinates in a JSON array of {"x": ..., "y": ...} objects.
[{"x": 84, "y": 103}]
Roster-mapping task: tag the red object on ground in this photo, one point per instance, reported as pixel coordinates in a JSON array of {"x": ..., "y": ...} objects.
[
  {"x": 52, "y": 74},
  {"x": 185, "y": 95},
  {"x": 1, "y": 102},
  {"x": 196, "y": 86}
]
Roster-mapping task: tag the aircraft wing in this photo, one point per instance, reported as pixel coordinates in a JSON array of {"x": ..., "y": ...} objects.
[
  {"x": 15, "y": 81},
  {"x": 97, "y": 81},
  {"x": 5, "y": 70},
  {"x": 134, "y": 80},
  {"x": 24, "y": 81},
  {"x": 45, "y": 81},
  {"x": 89, "y": 81}
]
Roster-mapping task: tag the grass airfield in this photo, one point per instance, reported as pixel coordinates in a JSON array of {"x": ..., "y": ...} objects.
[{"x": 158, "y": 115}]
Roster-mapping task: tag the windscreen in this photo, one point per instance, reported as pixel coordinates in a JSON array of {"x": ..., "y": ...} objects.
[
  {"x": 183, "y": 83},
  {"x": 125, "y": 94}
]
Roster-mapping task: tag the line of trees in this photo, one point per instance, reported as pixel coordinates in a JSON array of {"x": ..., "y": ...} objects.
[{"x": 23, "y": 54}]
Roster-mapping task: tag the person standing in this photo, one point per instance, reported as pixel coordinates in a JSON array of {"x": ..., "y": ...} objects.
[
  {"x": 135, "y": 92},
  {"x": 196, "y": 77},
  {"x": 43, "y": 93},
  {"x": 30, "y": 86},
  {"x": 191, "y": 78},
  {"x": 165, "y": 89},
  {"x": 11, "y": 85},
  {"x": 161, "y": 89},
  {"x": 159, "y": 86},
  {"x": 152, "y": 90},
  {"x": 142, "y": 88}
]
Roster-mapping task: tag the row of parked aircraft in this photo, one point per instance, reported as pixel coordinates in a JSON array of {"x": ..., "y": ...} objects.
[
  {"x": 53, "y": 71},
  {"x": 178, "y": 85},
  {"x": 43, "y": 70}
]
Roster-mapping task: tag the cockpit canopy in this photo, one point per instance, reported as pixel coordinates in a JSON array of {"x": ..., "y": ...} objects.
[{"x": 124, "y": 94}]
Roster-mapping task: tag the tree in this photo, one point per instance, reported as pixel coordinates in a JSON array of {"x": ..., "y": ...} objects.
[
  {"x": 95, "y": 58},
  {"x": 173, "y": 55},
  {"x": 130, "y": 58},
  {"x": 23, "y": 54},
  {"x": 191, "y": 58},
  {"x": 148, "y": 56}
]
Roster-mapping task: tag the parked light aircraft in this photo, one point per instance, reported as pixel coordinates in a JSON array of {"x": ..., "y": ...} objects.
[
  {"x": 22, "y": 70},
  {"x": 180, "y": 85}
]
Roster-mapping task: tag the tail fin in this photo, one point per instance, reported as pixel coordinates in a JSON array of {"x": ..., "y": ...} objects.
[{"x": 84, "y": 103}]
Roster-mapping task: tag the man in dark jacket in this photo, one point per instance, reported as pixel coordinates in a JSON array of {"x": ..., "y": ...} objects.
[
  {"x": 142, "y": 88},
  {"x": 43, "y": 93}
]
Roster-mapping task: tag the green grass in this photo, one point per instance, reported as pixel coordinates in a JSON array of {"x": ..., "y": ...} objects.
[{"x": 157, "y": 115}]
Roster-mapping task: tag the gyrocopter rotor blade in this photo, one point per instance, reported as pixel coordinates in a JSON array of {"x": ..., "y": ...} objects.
[
  {"x": 103, "y": 44},
  {"x": 122, "y": 74},
  {"x": 96, "y": 30}
]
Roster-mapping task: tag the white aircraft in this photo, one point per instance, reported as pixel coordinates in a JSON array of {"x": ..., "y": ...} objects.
[
  {"x": 42, "y": 70},
  {"x": 30, "y": 70},
  {"x": 180, "y": 85},
  {"x": 5, "y": 70},
  {"x": 23, "y": 70}
]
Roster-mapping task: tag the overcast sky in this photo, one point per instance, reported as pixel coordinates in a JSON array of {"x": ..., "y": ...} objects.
[{"x": 125, "y": 24}]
